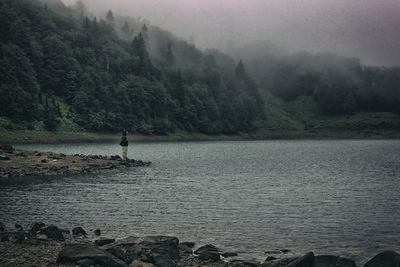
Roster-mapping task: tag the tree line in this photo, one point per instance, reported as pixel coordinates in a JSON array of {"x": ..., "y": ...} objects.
[{"x": 111, "y": 77}]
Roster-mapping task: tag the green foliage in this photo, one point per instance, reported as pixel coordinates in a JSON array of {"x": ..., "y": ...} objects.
[{"x": 72, "y": 72}]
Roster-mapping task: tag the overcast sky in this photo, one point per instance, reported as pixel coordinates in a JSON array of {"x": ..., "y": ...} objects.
[{"x": 369, "y": 29}]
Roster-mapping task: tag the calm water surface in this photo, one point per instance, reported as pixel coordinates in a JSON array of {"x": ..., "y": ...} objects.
[{"x": 338, "y": 197}]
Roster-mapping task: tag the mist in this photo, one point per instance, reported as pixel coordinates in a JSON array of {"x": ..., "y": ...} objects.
[{"x": 366, "y": 29}]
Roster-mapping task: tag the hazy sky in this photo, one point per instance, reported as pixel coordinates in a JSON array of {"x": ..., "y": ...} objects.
[{"x": 369, "y": 29}]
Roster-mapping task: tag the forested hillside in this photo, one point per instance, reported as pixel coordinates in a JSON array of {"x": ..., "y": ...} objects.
[{"x": 61, "y": 67}]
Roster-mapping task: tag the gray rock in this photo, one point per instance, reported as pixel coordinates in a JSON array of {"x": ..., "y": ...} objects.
[
  {"x": 78, "y": 231},
  {"x": 163, "y": 260},
  {"x": 147, "y": 249},
  {"x": 2, "y": 227},
  {"x": 97, "y": 232},
  {"x": 384, "y": 259},
  {"x": 333, "y": 261},
  {"x": 73, "y": 253},
  {"x": 208, "y": 253}
]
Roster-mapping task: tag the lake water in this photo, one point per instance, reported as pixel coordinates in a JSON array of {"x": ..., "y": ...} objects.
[{"x": 327, "y": 196}]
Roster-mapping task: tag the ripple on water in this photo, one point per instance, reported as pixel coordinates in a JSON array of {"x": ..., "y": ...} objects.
[{"x": 337, "y": 197}]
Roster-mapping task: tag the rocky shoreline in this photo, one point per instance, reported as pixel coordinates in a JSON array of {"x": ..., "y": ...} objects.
[
  {"x": 17, "y": 163},
  {"x": 43, "y": 245}
]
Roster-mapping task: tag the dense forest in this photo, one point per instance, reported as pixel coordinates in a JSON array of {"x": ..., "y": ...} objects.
[
  {"x": 337, "y": 85},
  {"x": 62, "y": 67},
  {"x": 61, "y": 62}
]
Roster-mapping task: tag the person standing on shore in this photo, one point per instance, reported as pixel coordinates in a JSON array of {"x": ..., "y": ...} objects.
[{"x": 124, "y": 144}]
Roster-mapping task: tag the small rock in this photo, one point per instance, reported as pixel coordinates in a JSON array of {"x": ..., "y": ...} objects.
[
  {"x": 104, "y": 241},
  {"x": 2, "y": 227},
  {"x": 188, "y": 244},
  {"x": 270, "y": 258},
  {"x": 19, "y": 227},
  {"x": 229, "y": 254},
  {"x": 4, "y": 157},
  {"x": 78, "y": 231},
  {"x": 284, "y": 250},
  {"x": 36, "y": 227},
  {"x": 44, "y": 161},
  {"x": 52, "y": 232},
  {"x": 42, "y": 237},
  {"x": 386, "y": 259},
  {"x": 97, "y": 232}
]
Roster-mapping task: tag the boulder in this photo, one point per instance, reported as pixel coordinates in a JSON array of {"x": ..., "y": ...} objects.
[
  {"x": 208, "y": 253},
  {"x": 73, "y": 253},
  {"x": 386, "y": 259},
  {"x": 52, "y": 232},
  {"x": 153, "y": 249},
  {"x": 78, "y": 231},
  {"x": 163, "y": 260},
  {"x": 333, "y": 261},
  {"x": 104, "y": 241}
]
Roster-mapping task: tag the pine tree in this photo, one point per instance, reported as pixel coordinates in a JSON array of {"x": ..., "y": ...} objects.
[{"x": 110, "y": 16}]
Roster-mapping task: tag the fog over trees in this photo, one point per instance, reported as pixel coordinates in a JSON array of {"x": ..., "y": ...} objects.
[{"x": 86, "y": 66}]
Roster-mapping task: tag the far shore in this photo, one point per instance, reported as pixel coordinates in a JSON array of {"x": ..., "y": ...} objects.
[{"x": 44, "y": 137}]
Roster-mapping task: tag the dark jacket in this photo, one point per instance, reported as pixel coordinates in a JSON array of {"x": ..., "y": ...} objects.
[{"x": 124, "y": 141}]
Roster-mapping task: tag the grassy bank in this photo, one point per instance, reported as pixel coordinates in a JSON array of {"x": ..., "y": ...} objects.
[{"x": 32, "y": 136}]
